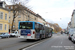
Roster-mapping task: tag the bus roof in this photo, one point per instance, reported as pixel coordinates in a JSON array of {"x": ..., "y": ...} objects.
[
  {"x": 31, "y": 21},
  {"x": 26, "y": 21}
]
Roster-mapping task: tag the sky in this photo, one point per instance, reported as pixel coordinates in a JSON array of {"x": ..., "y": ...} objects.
[{"x": 53, "y": 11}]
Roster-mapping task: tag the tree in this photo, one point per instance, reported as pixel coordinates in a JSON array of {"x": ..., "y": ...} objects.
[
  {"x": 57, "y": 28},
  {"x": 18, "y": 8}
]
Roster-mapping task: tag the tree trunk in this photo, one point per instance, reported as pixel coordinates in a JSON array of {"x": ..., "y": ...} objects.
[{"x": 13, "y": 21}]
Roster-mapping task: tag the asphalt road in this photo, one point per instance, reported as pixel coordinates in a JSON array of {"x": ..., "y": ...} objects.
[
  {"x": 57, "y": 42},
  {"x": 14, "y": 43}
]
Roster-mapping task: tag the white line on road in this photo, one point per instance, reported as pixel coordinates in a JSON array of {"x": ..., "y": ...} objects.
[
  {"x": 61, "y": 42},
  {"x": 35, "y": 45},
  {"x": 31, "y": 46},
  {"x": 59, "y": 48}
]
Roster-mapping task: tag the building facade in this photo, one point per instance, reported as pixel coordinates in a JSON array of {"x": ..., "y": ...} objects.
[
  {"x": 69, "y": 26},
  {"x": 40, "y": 19},
  {"x": 29, "y": 16},
  {"x": 4, "y": 20},
  {"x": 2, "y": 4},
  {"x": 73, "y": 19}
]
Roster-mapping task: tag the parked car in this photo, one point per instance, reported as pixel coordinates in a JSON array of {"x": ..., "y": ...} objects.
[
  {"x": 73, "y": 37},
  {"x": 71, "y": 32},
  {"x": 66, "y": 32},
  {"x": 61, "y": 32},
  {"x": 15, "y": 34},
  {"x": 4, "y": 35}
]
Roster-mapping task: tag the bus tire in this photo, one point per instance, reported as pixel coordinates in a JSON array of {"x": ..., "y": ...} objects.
[{"x": 27, "y": 40}]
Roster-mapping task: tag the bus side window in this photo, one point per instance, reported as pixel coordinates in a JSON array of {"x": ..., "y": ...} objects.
[
  {"x": 41, "y": 29},
  {"x": 37, "y": 28}
]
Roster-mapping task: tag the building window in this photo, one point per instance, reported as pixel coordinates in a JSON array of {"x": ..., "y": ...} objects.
[
  {"x": 9, "y": 21},
  {"x": 11, "y": 7},
  {"x": 5, "y": 16},
  {"x": 14, "y": 21},
  {"x": 28, "y": 17},
  {"x": 19, "y": 11},
  {"x": 9, "y": 12},
  {"x": 1, "y": 15},
  {"x": 0, "y": 26},
  {"x": 5, "y": 27},
  {"x": 13, "y": 16},
  {"x": 9, "y": 16},
  {"x": 35, "y": 18},
  {"x": 13, "y": 25},
  {"x": 7, "y": 7},
  {"x": 26, "y": 12},
  {"x": 19, "y": 16},
  {"x": 30, "y": 14},
  {"x": 15, "y": 6}
]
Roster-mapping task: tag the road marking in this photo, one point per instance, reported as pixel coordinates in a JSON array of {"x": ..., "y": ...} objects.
[
  {"x": 59, "y": 48},
  {"x": 61, "y": 42},
  {"x": 31, "y": 46},
  {"x": 35, "y": 44}
]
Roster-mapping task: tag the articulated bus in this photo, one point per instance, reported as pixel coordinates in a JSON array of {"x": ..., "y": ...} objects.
[{"x": 33, "y": 30}]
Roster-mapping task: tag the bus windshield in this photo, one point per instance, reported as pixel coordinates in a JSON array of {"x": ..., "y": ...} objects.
[{"x": 26, "y": 25}]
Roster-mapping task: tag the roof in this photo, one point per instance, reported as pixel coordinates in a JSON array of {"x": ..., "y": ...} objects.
[
  {"x": 73, "y": 12},
  {"x": 2, "y": 1},
  {"x": 40, "y": 17},
  {"x": 4, "y": 8},
  {"x": 30, "y": 11}
]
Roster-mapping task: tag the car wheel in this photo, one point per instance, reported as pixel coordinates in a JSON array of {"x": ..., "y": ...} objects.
[
  {"x": 74, "y": 42},
  {"x": 69, "y": 38},
  {"x": 0, "y": 37}
]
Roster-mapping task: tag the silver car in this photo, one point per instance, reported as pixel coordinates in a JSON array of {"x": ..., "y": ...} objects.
[
  {"x": 73, "y": 37},
  {"x": 71, "y": 32},
  {"x": 4, "y": 35}
]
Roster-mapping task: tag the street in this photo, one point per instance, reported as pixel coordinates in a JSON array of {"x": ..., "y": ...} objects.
[
  {"x": 27, "y": 25},
  {"x": 60, "y": 42},
  {"x": 56, "y": 42}
]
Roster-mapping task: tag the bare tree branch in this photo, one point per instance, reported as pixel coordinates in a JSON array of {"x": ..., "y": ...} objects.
[{"x": 19, "y": 7}]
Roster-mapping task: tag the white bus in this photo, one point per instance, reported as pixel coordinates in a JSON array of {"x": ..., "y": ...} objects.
[{"x": 33, "y": 30}]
